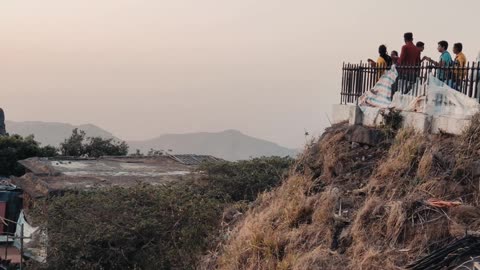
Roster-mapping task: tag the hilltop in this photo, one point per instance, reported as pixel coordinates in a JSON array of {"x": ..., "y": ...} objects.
[{"x": 361, "y": 198}]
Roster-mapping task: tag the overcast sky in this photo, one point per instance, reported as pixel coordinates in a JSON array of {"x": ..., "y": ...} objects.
[{"x": 141, "y": 68}]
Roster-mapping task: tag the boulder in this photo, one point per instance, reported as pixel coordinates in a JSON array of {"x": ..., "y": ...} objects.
[{"x": 364, "y": 135}]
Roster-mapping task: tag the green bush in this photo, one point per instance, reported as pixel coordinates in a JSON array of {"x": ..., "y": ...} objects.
[
  {"x": 145, "y": 227},
  {"x": 14, "y": 148},
  {"x": 244, "y": 180},
  {"x": 151, "y": 227}
]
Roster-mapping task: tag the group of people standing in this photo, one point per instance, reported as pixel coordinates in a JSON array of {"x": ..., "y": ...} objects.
[{"x": 411, "y": 55}]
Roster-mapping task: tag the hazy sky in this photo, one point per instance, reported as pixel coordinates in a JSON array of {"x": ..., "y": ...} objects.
[{"x": 141, "y": 68}]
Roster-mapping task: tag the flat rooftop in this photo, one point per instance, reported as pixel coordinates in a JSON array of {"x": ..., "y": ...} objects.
[{"x": 50, "y": 175}]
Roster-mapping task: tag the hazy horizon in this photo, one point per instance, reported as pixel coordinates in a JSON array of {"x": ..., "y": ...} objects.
[{"x": 268, "y": 68}]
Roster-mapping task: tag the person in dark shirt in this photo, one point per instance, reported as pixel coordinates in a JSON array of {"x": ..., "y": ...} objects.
[
  {"x": 394, "y": 56},
  {"x": 421, "y": 46}
]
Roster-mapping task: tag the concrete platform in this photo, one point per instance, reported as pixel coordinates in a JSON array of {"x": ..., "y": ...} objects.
[{"x": 371, "y": 117}]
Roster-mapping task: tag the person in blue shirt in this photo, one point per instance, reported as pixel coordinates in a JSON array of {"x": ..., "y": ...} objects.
[{"x": 444, "y": 62}]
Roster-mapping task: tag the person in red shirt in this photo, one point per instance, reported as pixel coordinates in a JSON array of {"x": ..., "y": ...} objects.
[{"x": 410, "y": 54}]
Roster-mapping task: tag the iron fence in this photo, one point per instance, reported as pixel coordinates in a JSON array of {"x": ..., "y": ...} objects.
[{"x": 359, "y": 78}]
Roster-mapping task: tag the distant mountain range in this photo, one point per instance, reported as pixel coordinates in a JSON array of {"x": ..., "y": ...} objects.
[
  {"x": 50, "y": 133},
  {"x": 229, "y": 144}
]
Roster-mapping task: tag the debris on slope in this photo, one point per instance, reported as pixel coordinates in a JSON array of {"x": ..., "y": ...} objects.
[{"x": 353, "y": 204}]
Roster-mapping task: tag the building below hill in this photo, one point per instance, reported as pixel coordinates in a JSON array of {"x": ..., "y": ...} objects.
[
  {"x": 46, "y": 177},
  {"x": 54, "y": 176}
]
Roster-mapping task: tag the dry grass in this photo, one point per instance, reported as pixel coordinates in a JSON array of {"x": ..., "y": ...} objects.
[
  {"x": 387, "y": 226},
  {"x": 425, "y": 165},
  {"x": 397, "y": 217},
  {"x": 395, "y": 176}
]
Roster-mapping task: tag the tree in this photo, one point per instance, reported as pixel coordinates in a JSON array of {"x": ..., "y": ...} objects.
[
  {"x": 14, "y": 148},
  {"x": 97, "y": 147},
  {"x": 73, "y": 146},
  {"x": 79, "y": 145}
]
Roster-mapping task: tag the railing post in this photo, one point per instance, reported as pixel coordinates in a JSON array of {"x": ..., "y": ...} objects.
[{"x": 359, "y": 78}]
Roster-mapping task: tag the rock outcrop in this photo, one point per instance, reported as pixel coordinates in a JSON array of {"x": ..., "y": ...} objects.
[{"x": 3, "y": 131}]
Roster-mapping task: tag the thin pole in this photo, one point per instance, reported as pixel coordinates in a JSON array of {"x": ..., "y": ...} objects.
[
  {"x": 6, "y": 249},
  {"x": 21, "y": 247}
]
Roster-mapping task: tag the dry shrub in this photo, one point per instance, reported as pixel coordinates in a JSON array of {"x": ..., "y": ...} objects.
[
  {"x": 397, "y": 217},
  {"x": 330, "y": 154},
  {"x": 469, "y": 147},
  {"x": 312, "y": 160},
  {"x": 440, "y": 188},
  {"x": 425, "y": 165},
  {"x": 368, "y": 226},
  {"x": 320, "y": 258},
  {"x": 404, "y": 151},
  {"x": 464, "y": 218},
  {"x": 373, "y": 259},
  {"x": 394, "y": 176},
  {"x": 261, "y": 241},
  {"x": 320, "y": 232}
]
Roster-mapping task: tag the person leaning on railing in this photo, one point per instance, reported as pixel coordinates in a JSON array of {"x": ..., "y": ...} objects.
[
  {"x": 445, "y": 60},
  {"x": 421, "y": 47}
]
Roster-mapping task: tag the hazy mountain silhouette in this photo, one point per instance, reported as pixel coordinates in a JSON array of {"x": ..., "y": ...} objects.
[
  {"x": 50, "y": 133},
  {"x": 229, "y": 144}
]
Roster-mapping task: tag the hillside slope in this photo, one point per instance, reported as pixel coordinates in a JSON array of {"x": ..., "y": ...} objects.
[
  {"x": 229, "y": 145},
  {"x": 51, "y": 133},
  {"x": 350, "y": 205}
]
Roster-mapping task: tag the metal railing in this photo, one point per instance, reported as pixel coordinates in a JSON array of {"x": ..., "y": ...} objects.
[{"x": 359, "y": 78}]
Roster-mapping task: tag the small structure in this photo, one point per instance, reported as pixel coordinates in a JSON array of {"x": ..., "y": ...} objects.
[{"x": 54, "y": 176}]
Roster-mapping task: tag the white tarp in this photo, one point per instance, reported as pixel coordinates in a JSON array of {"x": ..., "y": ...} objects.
[
  {"x": 440, "y": 100},
  {"x": 381, "y": 94},
  {"x": 35, "y": 244}
]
